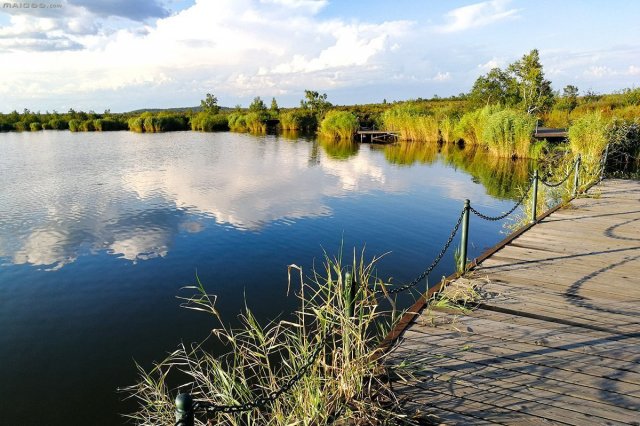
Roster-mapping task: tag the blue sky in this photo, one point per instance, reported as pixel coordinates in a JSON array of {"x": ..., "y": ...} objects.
[{"x": 123, "y": 55}]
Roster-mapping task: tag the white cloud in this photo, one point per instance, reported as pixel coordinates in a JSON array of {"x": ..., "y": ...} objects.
[
  {"x": 477, "y": 15},
  {"x": 491, "y": 64},
  {"x": 235, "y": 46},
  {"x": 600, "y": 71},
  {"x": 633, "y": 70},
  {"x": 442, "y": 76}
]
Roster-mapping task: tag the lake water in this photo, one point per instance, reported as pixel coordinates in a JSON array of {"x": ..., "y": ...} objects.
[{"x": 100, "y": 231}]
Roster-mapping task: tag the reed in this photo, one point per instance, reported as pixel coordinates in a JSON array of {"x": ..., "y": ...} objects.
[
  {"x": 344, "y": 327},
  {"x": 508, "y": 133},
  {"x": 471, "y": 126},
  {"x": 412, "y": 122},
  {"x": 447, "y": 126},
  {"x": 35, "y": 126},
  {"x": 207, "y": 122},
  {"x": 339, "y": 125}
]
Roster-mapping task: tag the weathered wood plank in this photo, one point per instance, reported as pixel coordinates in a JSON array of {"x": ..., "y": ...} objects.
[{"x": 557, "y": 335}]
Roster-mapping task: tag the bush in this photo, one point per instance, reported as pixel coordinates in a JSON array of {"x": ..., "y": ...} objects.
[
  {"x": 237, "y": 122},
  {"x": 35, "y": 126},
  {"x": 339, "y": 125}
]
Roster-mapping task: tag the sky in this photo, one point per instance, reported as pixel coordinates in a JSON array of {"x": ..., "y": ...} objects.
[{"x": 124, "y": 55}]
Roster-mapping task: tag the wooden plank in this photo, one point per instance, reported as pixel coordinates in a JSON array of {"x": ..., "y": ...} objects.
[{"x": 558, "y": 338}]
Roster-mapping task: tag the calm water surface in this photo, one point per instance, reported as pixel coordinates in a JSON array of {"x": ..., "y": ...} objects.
[{"x": 100, "y": 231}]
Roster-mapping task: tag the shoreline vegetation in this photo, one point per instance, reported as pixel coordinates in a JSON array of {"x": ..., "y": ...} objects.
[{"x": 499, "y": 114}]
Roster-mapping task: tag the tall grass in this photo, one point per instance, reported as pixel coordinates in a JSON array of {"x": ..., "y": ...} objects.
[
  {"x": 207, "y": 122},
  {"x": 412, "y": 122},
  {"x": 588, "y": 138},
  {"x": 447, "y": 127},
  {"x": 471, "y": 126},
  {"x": 340, "y": 125},
  {"x": 35, "y": 126},
  {"x": 298, "y": 120},
  {"x": 508, "y": 133},
  {"x": 261, "y": 358},
  {"x": 256, "y": 122}
]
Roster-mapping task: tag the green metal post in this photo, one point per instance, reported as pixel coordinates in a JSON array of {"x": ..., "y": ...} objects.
[
  {"x": 534, "y": 198},
  {"x": 184, "y": 410},
  {"x": 576, "y": 178},
  {"x": 350, "y": 286},
  {"x": 465, "y": 237}
]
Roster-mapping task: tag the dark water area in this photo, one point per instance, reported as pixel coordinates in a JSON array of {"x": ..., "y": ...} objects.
[{"x": 100, "y": 231}]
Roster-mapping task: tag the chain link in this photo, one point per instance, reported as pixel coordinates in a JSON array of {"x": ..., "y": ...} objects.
[
  {"x": 431, "y": 267},
  {"x": 210, "y": 407},
  {"x": 502, "y": 216},
  {"x": 557, "y": 184}
]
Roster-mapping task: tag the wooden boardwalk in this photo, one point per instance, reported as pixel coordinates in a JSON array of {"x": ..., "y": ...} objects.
[{"x": 555, "y": 336}]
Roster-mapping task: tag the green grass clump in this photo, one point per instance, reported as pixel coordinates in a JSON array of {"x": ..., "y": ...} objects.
[
  {"x": 588, "y": 136},
  {"x": 256, "y": 122},
  {"x": 207, "y": 122},
  {"x": 340, "y": 125},
  {"x": 339, "y": 384},
  {"x": 508, "y": 133},
  {"x": 108, "y": 125},
  {"x": 471, "y": 126},
  {"x": 35, "y": 126},
  {"x": 447, "y": 127},
  {"x": 298, "y": 120},
  {"x": 136, "y": 124},
  {"x": 74, "y": 125},
  {"x": 237, "y": 122},
  {"x": 58, "y": 124},
  {"x": 413, "y": 122}
]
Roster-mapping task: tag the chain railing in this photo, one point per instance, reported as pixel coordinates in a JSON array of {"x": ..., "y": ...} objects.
[{"x": 186, "y": 407}]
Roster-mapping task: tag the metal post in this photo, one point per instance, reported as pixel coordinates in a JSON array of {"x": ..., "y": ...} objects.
[
  {"x": 604, "y": 162},
  {"x": 350, "y": 286},
  {"x": 184, "y": 410},
  {"x": 534, "y": 198},
  {"x": 465, "y": 237},
  {"x": 576, "y": 178}
]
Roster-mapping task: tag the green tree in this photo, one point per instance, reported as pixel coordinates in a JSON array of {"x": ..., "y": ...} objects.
[
  {"x": 569, "y": 99},
  {"x": 257, "y": 105},
  {"x": 497, "y": 87},
  {"x": 315, "y": 102},
  {"x": 210, "y": 104},
  {"x": 534, "y": 90},
  {"x": 274, "y": 107}
]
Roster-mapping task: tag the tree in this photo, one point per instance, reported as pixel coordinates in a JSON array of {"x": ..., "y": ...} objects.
[
  {"x": 274, "y": 107},
  {"x": 210, "y": 104},
  {"x": 497, "y": 87},
  {"x": 257, "y": 105},
  {"x": 569, "y": 99},
  {"x": 316, "y": 103},
  {"x": 534, "y": 90}
]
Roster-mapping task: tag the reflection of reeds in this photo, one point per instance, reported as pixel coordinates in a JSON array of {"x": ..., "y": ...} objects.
[
  {"x": 342, "y": 328},
  {"x": 500, "y": 176},
  {"x": 339, "y": 149},
  {"x": 407, "y": 153}
]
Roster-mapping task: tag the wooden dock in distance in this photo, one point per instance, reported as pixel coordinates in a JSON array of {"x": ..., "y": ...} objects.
[
  {"x": 550, "y": 133},
  {"x": 555, "y": 336},
  {"x": 376, "y": 136}
]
